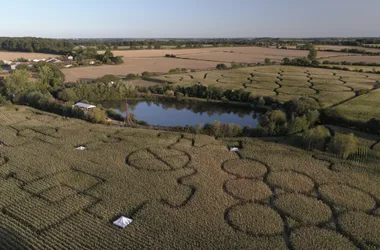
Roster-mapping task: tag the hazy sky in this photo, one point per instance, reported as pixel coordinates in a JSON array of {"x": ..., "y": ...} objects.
[{"x": 190, "y": 18}]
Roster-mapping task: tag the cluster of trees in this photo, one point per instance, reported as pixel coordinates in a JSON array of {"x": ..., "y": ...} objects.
[
  {"x": 96, "y": 91},
  {"x": 170, "y": 55},
  {"x": 177, "y": 71},
  {"x": 81, "y": 55},
  {"x": 298, "y": 116},
  {"x": 309, "y": 61},
  {"x": 33, "y": 44}
]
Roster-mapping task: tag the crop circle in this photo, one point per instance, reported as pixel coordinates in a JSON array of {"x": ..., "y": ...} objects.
[{"x": 255, "y": 219}]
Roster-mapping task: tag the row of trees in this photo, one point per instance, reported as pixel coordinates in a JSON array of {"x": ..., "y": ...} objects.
[{"x": 33, "y": 44}]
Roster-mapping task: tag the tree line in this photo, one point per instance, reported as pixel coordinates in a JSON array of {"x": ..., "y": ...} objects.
[{"x": 33, "y": 44}]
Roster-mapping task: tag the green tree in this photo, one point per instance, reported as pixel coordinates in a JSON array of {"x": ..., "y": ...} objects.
[
  {"x": 267, "y": 61},
  {"x": 316, "y": 138},
  {"x": 68, "y": 94},
  {"x": 17, "y": 82},
  {"x": 274, "y": 122},
  {"x": 97, "y": 115},
  {"x": 343, "y": 145},
  {"x": 221, "y": 66},
  {"x": 312, "y": 54}
]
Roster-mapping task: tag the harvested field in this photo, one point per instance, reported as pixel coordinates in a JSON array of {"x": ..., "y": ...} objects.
[
  {"x": 135, "y": 66},
  {"x": 15, "y": 55},
  {"x": 138, "y": 61},
  {"x": 182, "y": 191}
]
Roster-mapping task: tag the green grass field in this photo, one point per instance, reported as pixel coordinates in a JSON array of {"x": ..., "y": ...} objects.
[
  {"x": 362, "y": 108},
  {"x": 328, "y": 87},
  {"x": 183, "y": 191}
]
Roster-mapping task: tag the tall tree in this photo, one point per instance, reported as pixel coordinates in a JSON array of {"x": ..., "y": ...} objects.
[{"x": 312, "y": 54}]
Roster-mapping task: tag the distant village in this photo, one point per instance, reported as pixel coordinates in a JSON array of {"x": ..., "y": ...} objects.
[{"x": 60, "y": 61}]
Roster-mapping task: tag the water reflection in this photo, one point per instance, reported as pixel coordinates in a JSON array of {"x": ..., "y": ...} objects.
[{"x": 177, "y": 113}]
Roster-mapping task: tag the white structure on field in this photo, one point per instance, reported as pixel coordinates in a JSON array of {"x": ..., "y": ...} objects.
[
  {"x": 84, "y": 105},
  {"x": 122, "y": 222}
]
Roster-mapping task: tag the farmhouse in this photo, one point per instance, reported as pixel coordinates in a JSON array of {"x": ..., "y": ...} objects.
[{"x": 84, "y": 106}]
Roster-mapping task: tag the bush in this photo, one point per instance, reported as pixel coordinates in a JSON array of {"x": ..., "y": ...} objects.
[
  {"x": 97, "y": 115},
  {"x": 221, "y": 66},
  {"x": 274, "y": 122},
  {"x": 316, "y": 138},
  {"x": 108, "y": 79},
  {"x": 131, "y": 77},
  {"x": 298, "y": 124},
  {"x": 343, "y": 145}
]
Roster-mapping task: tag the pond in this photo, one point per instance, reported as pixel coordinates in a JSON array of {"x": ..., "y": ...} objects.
[{"x": 177, "y": 113}]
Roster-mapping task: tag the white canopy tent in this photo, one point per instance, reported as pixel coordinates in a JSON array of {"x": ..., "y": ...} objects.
[{"x": 122, "y": 222}]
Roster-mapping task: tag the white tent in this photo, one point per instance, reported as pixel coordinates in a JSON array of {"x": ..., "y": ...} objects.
[{"x": 122, "y": 222}]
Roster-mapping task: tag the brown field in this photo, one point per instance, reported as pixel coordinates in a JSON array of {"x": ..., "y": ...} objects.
[
  {"x": 138, "y": 61},
  {"x": 368, "y": 59},
  {"x": 14, "y": 55},
  {"x": 135, "y": 66}
]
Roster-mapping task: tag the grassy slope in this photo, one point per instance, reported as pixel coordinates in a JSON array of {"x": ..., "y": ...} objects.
[{"x": 182, "y": 191}]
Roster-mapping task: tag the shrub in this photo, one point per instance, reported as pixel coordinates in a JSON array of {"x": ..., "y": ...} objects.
[
  {"x": 131, "y": 77},
  {"x": 316, "y": 138},
  {"x": 97, "y": 115},
  {"x": 343, "y": 145},
  {"x": 221, "y": 66},
  {"x": 108, "y": 78},
  {"x": 298, "y": 124},
  {"x": 274, "y": 122}
]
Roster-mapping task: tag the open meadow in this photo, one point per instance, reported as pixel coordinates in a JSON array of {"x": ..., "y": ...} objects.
[
  {"x": 182, "y": 191},
  {"x": 328, "y": 87}
]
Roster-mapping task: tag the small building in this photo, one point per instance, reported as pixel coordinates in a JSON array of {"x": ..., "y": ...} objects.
[
  {"x": 70, "y": 58},
  {"x": 84, "y": 106},
  {"x": 53, "y": 60}
]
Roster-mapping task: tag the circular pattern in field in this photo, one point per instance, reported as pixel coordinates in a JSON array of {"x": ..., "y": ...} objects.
[
  {"x": 245, "y": 168},
  {"x": 248, "y": 189},
  {"x": 255, "y": 219},
  {"x": 317, "y": 238},
  {"x": 347, "y": 197},
  {"x": 158, "y": 159},
  {"x": 291, "y": 181},
  {"x": 305, "y": 209},
  {"x": 362, "y": 227}
]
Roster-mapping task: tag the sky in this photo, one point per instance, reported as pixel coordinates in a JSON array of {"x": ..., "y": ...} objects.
[{"x": 190, "y": 18}]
